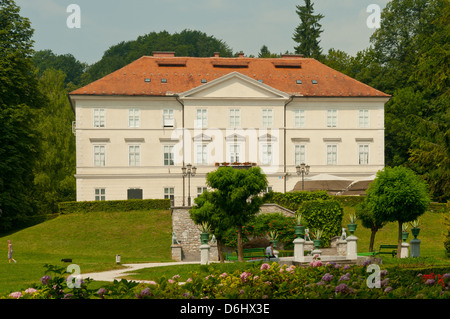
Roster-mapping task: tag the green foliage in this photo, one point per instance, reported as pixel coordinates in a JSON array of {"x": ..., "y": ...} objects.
[
  {"x": 293, "y": 200},
  {"x": 54, "y": 179},
  {"x": 325, "y": 215},
  {"x": 186, "y": 43},
  {"x": 446, "y": 218},
  {"x": 261, "y": 226},
  {"x": 113, "y": 205},
  {"x": 308, "y": 32},
  {"x": 236, "y": 196},
  {"x": 71, "y": 67},
  {"x": 20, "y": 100},
  {"x": 397, "y": 194}
]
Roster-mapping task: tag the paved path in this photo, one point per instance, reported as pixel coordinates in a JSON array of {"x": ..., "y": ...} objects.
[{"x": 116, "y": 274}]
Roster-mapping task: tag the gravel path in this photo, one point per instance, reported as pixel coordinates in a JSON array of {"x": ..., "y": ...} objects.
[{"x": 116, "y": 274}]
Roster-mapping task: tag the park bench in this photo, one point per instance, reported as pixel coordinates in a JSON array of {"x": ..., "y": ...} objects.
[
  {"x": 249, "y": 254},
  {"x": 391, "y": 250}
]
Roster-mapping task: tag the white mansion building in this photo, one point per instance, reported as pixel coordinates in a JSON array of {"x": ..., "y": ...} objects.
[{"x": 138, "y": 126}]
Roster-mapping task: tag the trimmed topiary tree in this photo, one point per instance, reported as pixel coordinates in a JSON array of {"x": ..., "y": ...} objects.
[{"x": 397, "y": 194}]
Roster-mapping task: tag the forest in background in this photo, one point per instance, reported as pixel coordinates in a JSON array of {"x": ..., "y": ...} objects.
[{"x": 408, "y": 57}]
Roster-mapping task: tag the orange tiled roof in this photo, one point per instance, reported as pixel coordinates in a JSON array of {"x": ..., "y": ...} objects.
[{"x": 164, "y": 74}]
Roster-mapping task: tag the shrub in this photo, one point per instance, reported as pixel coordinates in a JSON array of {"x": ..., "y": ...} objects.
[
  {"x": 325, "y": 215},
  {"x": 261, "y": 225},
  {"x": 113, "y": 205},
  {"x": 447, "y": 235},
  {"x": 294, "y": 200}
]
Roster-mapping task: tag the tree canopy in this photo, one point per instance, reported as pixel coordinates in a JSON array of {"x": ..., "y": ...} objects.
[
  {"x": 235, "y": 196},
  {"x": 20, "y": 100},
  {"x": 397, "y": 195},
  {"x": 185, "y": 43}
]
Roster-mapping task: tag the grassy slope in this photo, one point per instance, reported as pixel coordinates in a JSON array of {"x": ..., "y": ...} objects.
[
  {"x": 91, "y": 240},
  {"x": 431, "y": 235}
]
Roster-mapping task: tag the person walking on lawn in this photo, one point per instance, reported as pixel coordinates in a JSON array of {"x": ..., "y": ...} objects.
[{"x": 10, "y": 252}]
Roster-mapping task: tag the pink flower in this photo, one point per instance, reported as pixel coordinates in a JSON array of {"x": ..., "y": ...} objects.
[
  {"x": 223, "y": 275},
  {"x": 189, "y": 280},
  {"x": 30, "y": 291},
  {"x": 152, "y": 283},
  {"x": 265, "y": 266},
  {"x": 16, "y": 295},
  {"x": 244, "y": 276},
  {"x": 176, "y": 277},
  {"x": 316, "y": 263},
  {"x": 171, "y": 281}
]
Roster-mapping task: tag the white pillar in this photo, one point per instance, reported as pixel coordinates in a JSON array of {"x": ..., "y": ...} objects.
[
  {"x": 352, "y": 247},
  {"x": 204, "y": 254},
  {"x": 299, "y": 249},
  {"x": 404, "y": 251}
]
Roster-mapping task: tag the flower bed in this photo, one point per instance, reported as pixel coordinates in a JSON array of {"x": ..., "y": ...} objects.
[{"x": 259, "y": 281}]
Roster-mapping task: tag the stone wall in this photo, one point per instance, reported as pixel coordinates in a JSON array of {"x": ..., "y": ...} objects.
[{"x": 188, "y": 234}]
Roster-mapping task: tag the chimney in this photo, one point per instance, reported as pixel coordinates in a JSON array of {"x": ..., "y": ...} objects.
[
  {"x": 216, "y": 54},
  {"x": 241, "y": 54},
  {"x": 164, "y": 54}
]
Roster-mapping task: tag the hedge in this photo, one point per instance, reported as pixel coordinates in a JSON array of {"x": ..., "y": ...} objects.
[
  {"x": 325, "y": 215},
  {"x": 113, "y": 205}
]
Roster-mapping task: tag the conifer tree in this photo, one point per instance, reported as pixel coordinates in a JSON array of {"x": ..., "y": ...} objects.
[{"x": 308, "y": 31}]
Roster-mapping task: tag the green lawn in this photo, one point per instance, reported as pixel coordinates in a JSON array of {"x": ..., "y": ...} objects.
[
  {"x": 91, "y": 240},
  {"x": 431, "y": 235}
]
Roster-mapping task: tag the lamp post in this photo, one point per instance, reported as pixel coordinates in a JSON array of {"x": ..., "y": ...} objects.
[
  {"x": 303, "y": 170},
  {"x": 189, "y": 171}
]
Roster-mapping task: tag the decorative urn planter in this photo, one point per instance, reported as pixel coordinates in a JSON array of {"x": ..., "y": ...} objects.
[
  {"x": 415, "y": 231},
  {"x": 351, "y": 228},
  {"x": 317, "y": 243},
  {"x": 405, "y": 236},
  {"x": 299, "y": 231},
  {"x": 204, "y": 238}
]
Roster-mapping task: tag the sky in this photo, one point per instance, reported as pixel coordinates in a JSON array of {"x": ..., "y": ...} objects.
[{"x": 245, "y": 25}]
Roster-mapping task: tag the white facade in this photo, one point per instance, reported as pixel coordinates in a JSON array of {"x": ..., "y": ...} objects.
[{"x": 141, "y": 142}]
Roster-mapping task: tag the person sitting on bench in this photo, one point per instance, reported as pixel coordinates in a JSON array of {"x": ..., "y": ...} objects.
[{"x": 269, "y": 251}]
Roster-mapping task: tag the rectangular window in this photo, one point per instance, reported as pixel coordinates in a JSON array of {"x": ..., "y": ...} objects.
[
  {"x": 169, "y": 193},
  {"x": 235, "y": 150},
  {"x": 168, "y": 155},
  {"x": 99, "y": 117},
  {"x": 299, "y": 118},
  {"x": 100, "y": 194},
  {"x": 99, "y": 155},
  {"x": 235, "y": 118},
  {"x": 267, "y": 118},
  {"x": 134, "y": 117},
  {"x": 363, "y": 154},
  {"x": 201, "y": 155},
  {"x": 168, "y": 118},
  {"x": 363, "y": 118},
  {"x": 200, "y": 190},
  {"x": 331, "y": 118},
  {"x": 134, "y": 155},
  {"x": 266, "y": 154},
  {"x": 134, "y": 193},
  {"x": 300, "y": 154},
  {"x": 331, "y": 154},
  {"x": 201, "y": 120}
]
